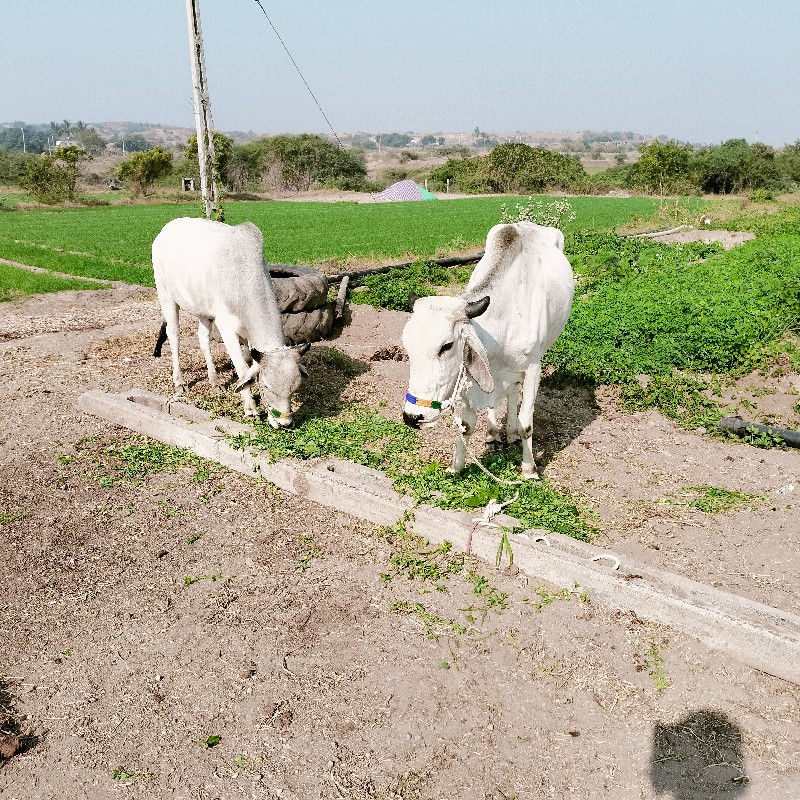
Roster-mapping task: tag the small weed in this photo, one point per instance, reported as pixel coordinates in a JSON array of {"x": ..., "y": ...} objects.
[
  {"x": 210, "y": 741},
  {"x": 193, "y": 538},
  {"x": 493, "y": 599},
  {"x": 435, "y": 625},
  {"x": 170, "y": 510},
  {"x": 416, "y": 561},
  {"x": 132, "y": 463},
  {"x": 190, "y": 579},
  {"x": 7, "y": 517},
  {"x": 546, "y": 597},
  {"x": 654, "y": 664},
  {"x": 766, "y": 440},
  {"x": 713, "y": 499},
  {"x": 122, "y": 775},
  {"x": 311, "y": 552}
]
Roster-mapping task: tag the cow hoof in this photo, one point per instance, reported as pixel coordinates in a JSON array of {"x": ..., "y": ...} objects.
[
  {"x": 513, "y": 438},
  {"x": 251, "y": 412},
  {"x": 530, "y": 473},
  {"x": 493, "y": 445}
]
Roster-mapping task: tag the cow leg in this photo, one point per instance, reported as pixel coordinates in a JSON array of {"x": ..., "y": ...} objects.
[
  {"x": 512, "y": 414},
  {"x": 493, "y": 435},
  {"x": 468, "y": 417},
  {"x": 530, "y": 389},
  {"x": 204, "y": 337},
  {"x": 232, "y": 344},
  {"x": 171, "y": 314}
]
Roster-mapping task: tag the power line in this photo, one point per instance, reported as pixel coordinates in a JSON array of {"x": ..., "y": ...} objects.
[{"x": 294, "y": 63}]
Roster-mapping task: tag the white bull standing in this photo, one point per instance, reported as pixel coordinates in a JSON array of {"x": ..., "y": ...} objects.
[
  {"x": 217, "y": 273},
  {"x": 515, "y": 306}
]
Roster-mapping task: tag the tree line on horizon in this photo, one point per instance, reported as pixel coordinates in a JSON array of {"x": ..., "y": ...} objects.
[{"x": 304, "y": 161}]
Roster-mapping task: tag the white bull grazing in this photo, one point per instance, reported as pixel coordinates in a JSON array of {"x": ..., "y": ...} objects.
[
  {"x": 515, "y": 306},
  {"x": 217, "y": 273}
]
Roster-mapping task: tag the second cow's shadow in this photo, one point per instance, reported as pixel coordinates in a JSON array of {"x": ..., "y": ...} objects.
[{"x": 564, "y": 407}]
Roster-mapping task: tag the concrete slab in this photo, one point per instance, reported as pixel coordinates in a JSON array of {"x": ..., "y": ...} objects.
[{"x": 760, "y": 636}]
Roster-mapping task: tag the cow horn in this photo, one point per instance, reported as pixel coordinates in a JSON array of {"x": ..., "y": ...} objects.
[{"x": 476, "y": 308}]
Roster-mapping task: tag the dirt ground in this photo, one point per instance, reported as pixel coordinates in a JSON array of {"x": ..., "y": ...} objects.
[{"x": 140, "y": 621}]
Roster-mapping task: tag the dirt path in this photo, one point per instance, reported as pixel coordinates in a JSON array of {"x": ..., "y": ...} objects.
[{"x": 140, "y": 620}]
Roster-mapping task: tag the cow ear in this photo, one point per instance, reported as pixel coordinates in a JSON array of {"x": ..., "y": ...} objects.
[
  {"x": 476, "y": 360},
  {"x": 249, "y": 377}
]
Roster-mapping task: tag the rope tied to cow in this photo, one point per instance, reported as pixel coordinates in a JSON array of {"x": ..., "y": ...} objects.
[{"x": 455, "y": 402}]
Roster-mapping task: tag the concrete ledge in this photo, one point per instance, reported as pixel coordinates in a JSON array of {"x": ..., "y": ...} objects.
[{"x": 755, "y": 634}]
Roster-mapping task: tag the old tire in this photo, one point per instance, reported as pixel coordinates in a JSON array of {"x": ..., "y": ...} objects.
[
  {"x": 298, "y": 288},
  {"x": 308, "y": 326}
]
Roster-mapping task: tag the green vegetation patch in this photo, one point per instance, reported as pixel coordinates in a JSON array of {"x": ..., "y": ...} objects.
[
  {"x": 134, "y": 461},
  {"x": 393, "y": 289},
  {"x": 114, "y": 242},
  {"x": 85, "y": 265},
  {"x": 664, "y": 309},
  {"x": 365, "y": 437},
  {"x": 713, "y": 499},
  {"x": 16, "y": 282}
]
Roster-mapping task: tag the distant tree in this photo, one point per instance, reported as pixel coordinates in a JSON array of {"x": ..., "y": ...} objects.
[
  {"x": 223, "y": 150},
  {"x": 143, "y": 169},
  {"x": 12, "y": 139},
  {"x": 13, "y": 166},
  {"x": 53, "y": 178},
  {"x": 520, "y": 167},
  {"x": 299, "y": 162},
  {"x": 735, "y": 166},
  {"x": 662, "y": 168},
  {"x": 135, "y": 143},
  {"x": 512, "y": 167},
  {"x": 395, "y": 140},
  {"x": 90, "y": 140},
  {"x": 788, "y": 161}
]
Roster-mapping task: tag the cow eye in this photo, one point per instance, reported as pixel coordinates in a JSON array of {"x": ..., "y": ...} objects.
[{"x": 445, "y": 347}]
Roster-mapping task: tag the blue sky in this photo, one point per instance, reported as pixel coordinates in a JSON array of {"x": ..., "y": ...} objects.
[{"x": 701, "y": 71}]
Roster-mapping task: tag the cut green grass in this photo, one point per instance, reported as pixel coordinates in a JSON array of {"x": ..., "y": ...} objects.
[
  {"x": 714, "y": 499},
  {"x": 16, "y": 282},
  {"x": 365, "y": 437},
  {"x": 131, "y": 463}
]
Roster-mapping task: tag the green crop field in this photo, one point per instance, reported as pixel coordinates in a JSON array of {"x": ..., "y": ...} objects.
[
  {"x": 113, "y": 242},
  {"x": 15, "y": 282}
]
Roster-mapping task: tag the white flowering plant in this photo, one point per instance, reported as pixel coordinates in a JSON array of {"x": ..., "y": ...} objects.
[{"x": 554, "y": 213}]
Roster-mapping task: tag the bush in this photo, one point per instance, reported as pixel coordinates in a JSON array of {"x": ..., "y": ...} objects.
[
  {"x": 296, "y": 163},
  {"x": 513, "y": 168},
  {"x": 53, "y": 178},
  {"x": 393, "y": 289},
  {"x": 13, "y": 166},
  {"x": 142, "y": 169}
]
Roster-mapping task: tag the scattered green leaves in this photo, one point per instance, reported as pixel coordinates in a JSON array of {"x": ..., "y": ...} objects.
[{"x": 714, "y": 499}]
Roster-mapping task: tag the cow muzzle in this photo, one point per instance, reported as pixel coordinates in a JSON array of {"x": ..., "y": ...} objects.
[
  {"x": 279, "y": 419},
  {"x": 412, "y": 420}
]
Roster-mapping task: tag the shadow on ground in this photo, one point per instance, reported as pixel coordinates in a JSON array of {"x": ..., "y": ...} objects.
[{"x": 699, "y": 758}]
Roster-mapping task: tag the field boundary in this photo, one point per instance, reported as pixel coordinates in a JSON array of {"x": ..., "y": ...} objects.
[{"x": 755, "y": 634}]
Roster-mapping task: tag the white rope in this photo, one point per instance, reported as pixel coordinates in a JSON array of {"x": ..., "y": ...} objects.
[{"x": 493, "y": 508}]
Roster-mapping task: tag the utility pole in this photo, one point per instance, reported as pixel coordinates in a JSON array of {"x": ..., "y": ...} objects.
[
  {"x": 23, "y": 140},
  {"x": 202, "y": 110}
]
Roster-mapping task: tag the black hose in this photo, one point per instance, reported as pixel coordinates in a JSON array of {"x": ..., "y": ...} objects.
[{"x": 742, "y": 428}]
